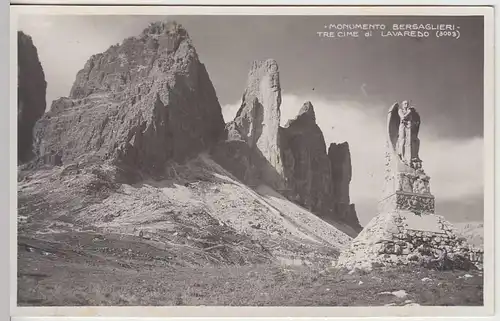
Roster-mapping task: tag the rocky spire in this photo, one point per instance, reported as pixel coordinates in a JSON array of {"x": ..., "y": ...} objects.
[
  {"x": 292, "y": 159},
  {"x": 307, "y": 169},
  {"x": 262, "y": 99},
  {"x": 341, "y": 173},
  {"x": 31, "y": 90},
  {"x": 307, "y": 111},
  {"x": 315, "y": 179},
  {"x": 257, "y": 122}
]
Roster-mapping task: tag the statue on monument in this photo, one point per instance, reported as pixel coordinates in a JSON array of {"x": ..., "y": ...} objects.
[
  {"x": 403, "y": 128},
  {"x": 406, "y": 184}
]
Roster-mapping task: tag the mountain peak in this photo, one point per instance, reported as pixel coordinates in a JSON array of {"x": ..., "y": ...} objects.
[
  {"x": 168, "y": 29},
  {"x": 307, "y": 110},
  {"x": 141, "y": 103}
]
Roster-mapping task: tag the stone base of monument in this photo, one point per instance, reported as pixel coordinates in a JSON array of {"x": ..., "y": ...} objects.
[{"x": 400, "y": 237}]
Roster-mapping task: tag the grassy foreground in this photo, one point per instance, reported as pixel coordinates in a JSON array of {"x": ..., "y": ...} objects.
[{"x": 75, "y": 278}]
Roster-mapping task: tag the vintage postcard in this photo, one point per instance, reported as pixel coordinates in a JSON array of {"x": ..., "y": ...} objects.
[{"x": 252, "y": 161}]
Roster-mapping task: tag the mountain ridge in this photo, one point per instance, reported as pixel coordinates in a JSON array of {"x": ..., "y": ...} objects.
[{"x": 128, "y": 143}]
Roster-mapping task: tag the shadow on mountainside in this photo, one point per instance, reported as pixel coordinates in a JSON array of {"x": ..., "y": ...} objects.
[
  {"x": 249, "y": 166},
  {"x": 270, "y": 193}
]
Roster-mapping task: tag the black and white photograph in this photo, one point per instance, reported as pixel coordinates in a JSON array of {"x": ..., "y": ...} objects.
[{"x": 253, "y": 160}]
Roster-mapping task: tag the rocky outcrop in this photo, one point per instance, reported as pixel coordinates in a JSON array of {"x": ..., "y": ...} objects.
[
  {"x": 341, "y": 173},
  {"x": 257, "y": 121},
  {"x": 307, "y": 167},
  {"x": 31, "y": 90},
  {"x": 141, "y": 103},
  {"x": 314, "y": 179},
  {"x": 240, "y": 160},
  {"x": 291, "y": 159}
]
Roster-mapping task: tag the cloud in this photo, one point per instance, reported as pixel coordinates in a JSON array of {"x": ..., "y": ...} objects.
[
  {"x": 455, "y": 166},
  {"x": 229, "y": 111}
]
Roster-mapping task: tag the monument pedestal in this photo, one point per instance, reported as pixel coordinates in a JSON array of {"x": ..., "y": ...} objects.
[
  {"x": 408, "y": 231},
  {"x": 400, "y": 237}
]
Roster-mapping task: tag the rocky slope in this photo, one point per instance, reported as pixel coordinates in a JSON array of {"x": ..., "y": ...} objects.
[
  {"x": 142, "y": 103},
  {"x": 197, "y": 214},
  {"x": 31, "y": 89}
]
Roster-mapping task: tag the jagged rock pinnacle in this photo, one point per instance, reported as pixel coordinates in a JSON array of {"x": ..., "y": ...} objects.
[
  {"x": 308, "y": 110},
  {"x": 317, "y": 180},
  {"x": 258, "y": 118},
  {"x": 306, "y": 114},
  {"x": 31, "y": 92}
]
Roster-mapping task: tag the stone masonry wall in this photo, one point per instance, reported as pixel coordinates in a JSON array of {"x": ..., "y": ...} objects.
[
  {"x": 398, "y": 239},
  {"x": 410, "y": 245}
]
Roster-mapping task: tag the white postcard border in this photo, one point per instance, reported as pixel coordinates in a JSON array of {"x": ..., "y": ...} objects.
[{"x": 489, "y": 222}]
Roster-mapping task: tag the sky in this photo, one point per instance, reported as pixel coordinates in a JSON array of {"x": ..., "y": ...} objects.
[{"x": 351, "y": 83}]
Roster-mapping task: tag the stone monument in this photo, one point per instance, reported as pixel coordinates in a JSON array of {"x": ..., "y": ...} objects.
[
  {"x": 406, "y": 184},
  {"x": 406, "y": 229}
]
